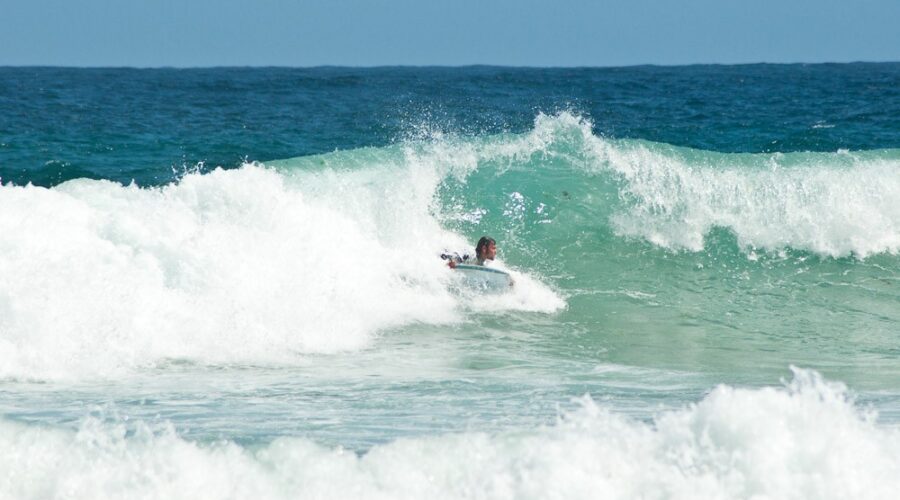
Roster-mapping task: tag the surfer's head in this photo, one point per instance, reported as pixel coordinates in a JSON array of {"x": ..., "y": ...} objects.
[{"x": 486, "y": 249}]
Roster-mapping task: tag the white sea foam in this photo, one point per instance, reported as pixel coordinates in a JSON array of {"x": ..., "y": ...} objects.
[
  {"x": 803, "y": 441},
  {"x": 831, "y": 211},
  {"x": 248, "y": 265}
]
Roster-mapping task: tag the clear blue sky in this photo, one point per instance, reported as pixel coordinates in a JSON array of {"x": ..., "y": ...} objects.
[{"x": 186, "y": 33}]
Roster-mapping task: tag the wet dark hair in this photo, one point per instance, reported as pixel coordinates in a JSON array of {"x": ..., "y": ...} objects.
[{"x": 483, "y": 243}]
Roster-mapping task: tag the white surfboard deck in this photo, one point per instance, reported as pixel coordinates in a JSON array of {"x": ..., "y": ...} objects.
[{"x": 484, "y": 278}]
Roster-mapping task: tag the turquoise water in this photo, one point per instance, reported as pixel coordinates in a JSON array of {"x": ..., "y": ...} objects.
[{"x": 706, "y": 301}]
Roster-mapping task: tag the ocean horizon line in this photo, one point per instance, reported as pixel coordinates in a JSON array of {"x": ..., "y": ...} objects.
[{"x": 452, "y": 66}]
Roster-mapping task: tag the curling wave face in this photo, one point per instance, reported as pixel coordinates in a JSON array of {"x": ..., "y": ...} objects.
[{"x": 830, "y": 204}]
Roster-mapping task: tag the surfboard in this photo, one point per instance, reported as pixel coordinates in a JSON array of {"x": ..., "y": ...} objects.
[{"x": 484, "y": 278}]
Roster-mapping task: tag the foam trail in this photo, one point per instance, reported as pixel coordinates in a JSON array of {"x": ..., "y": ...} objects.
[{"x": 806, "y": 440}]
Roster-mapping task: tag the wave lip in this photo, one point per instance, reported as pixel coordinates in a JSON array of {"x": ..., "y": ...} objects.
[{"x": 805, "y": 440}]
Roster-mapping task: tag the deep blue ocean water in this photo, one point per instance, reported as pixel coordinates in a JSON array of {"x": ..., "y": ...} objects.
[
  {"x": 123, "y": 124},
  {"x": 225, "y": 283}
]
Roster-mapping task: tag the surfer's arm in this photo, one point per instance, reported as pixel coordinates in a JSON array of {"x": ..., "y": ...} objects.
[{"x": 454, "y": 259}]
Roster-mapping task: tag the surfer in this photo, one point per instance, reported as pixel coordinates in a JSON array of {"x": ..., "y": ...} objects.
[{"x": 485, "y": 250}]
